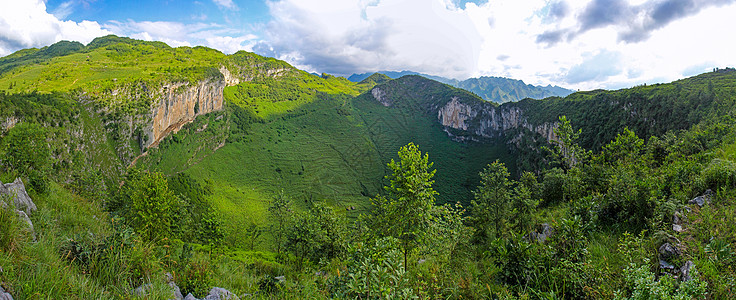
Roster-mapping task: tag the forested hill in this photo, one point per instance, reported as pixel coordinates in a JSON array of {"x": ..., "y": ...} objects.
[{"x": 494, "y": 89}]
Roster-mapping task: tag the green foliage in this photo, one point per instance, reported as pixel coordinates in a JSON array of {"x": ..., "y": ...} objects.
[
  {"x": 627, "y": 146},
  {"x": 316, "y": 235},
  {"x": 406, "y": 213},
  {"x": 719, "y": 173},
  {"x": 375, "y": 271},
  {"x": 197, "y": 275},
  {"x": 280, "y": 213},
  {"x": 643, "y": 285},
  {"x": 147, "y": 204},
  {"x": 26, "y": 151},
  {"x": 491, "y": 206}
]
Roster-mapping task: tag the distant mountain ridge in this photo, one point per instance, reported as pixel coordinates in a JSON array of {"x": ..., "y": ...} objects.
[{"x": 495, "y": 89}]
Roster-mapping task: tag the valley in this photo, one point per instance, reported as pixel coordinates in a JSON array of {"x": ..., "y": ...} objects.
[{"x": 241, "y": 171}]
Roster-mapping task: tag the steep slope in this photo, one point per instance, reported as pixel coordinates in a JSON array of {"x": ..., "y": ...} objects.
[{"x": 601, "y": 115}]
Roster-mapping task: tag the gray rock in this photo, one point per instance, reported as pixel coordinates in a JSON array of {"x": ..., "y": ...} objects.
[
  {"x": 17, "y": 191},
  {"x": 190, "y": 297},
  {"x": 677, "y": 228},
  {"x": 702, "y": 199},
  {"x": 677, "y": 218},
  {"x": 174, "y": 287},
  {"x": 280, "y": 278},
  {"x": 665, "y": 265},
  {"x": 542, "y": 233},
  {"x": 668, "y": 251},
  {"x": 4, "y": 295},
  {"x": 686, "y": 271},
  {"x": 217, "y": 293}
]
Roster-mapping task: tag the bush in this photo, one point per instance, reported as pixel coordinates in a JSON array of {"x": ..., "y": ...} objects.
[
  {"x": 719, "y": 173},
  {"x": 25, "y": 150}
]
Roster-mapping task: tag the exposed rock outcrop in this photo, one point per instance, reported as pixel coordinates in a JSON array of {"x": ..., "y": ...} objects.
[
  {"x": 488, "y": 121},
  {"x": 180, "y": 103},
  {"x": 216, "y": 293},
  {"x": 8, "y": 123},
  {"x": 5, "y": 295},
  {"x": 16, "y": 194},
  {"x": 542, "y": 233},
  {"x": 381, "y": 96}
]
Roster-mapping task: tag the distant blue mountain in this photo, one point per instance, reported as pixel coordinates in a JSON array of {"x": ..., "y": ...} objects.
[{"x": 496, "y": 89}]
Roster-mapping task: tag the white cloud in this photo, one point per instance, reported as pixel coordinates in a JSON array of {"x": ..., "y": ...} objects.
[
  {"x": 64, "y": 9},
  {"x": 26, "y": 24},
  {"x": 502, "y": 38},
  {"x": 226, "y": 4},
  {"x": 342, "y": 37},
  {"x": 177, "y": 34}
]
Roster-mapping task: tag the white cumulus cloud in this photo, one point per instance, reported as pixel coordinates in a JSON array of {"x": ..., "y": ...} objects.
[
  {"x": 342, "y": 37},
  {"x": 26, "y": 24}
]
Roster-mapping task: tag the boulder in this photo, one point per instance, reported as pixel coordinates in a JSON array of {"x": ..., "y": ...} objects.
[
  {"x": 190, "y": 297},
  {"x": 686, "y": 271},
  {"x": 677, "y": 218},
  {"x": 4, "y": 295},
  {"x": 174, "y": 287},
  {"x": 665, "y": 265},
  {"x": 142, "y": 290},
  {"x": 668, "y": 251},
  {"x": 217, "y": 293},
  {"x": 702, "y": 199},
  {"x": 17, "y": 191},
  {"x": 677, "y": 228},
  {"x": 542, "y": 233}
]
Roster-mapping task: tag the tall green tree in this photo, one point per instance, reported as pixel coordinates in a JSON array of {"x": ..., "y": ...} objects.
[
  {"x": 147, "y": 204},
  {"x": 406, "y": 211},
  {"x": 490, "y": 207}
]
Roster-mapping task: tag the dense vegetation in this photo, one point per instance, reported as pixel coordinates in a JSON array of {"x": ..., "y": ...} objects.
[{"x": 310, "y": 178}]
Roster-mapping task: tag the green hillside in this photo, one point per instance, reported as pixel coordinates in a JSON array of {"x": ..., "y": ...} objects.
[{"x": 305, "y": 186}]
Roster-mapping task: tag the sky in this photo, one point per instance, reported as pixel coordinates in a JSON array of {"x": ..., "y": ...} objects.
[{"x": 575, "y": 44}]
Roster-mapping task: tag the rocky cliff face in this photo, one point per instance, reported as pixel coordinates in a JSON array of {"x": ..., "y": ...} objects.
[
  {"x": 180, "y": 103},
  {"x": 488, "y": 121},
  {"x": 480, "y": 119}
]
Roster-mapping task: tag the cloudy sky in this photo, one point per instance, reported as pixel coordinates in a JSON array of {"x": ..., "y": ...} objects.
[{"x": 576, "y": 44}]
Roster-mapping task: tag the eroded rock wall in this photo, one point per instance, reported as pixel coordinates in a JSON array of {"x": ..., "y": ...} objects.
[{"x": 180, "y": 103}]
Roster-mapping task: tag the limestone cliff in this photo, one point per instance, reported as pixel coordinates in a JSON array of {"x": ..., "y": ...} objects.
[
  {"x": 489, "y": 121},
  {"x": 180, "y": 103}
]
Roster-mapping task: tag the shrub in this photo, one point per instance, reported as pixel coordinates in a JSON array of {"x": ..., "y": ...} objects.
[{"x": 719, "y": 173}]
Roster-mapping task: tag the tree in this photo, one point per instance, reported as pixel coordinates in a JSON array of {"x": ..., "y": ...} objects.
[
  {"x": 406, "y": 212},
  {"x": 280, "y": 210},
  {"x": 567, "y": 151},
  {"x": 627, "y": 146},
  {"x": 147, "y": 203},
  {"x": 523, "y": 202},
  {"x": 490, "y": 206}
]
